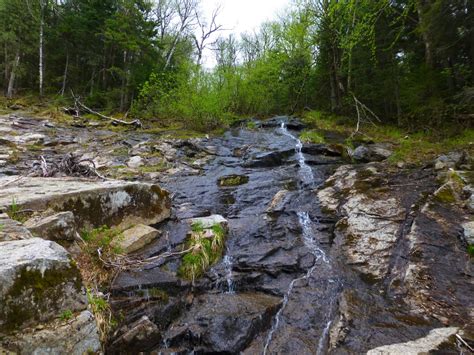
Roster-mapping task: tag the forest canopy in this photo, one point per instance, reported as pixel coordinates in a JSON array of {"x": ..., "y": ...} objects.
[{"x": 405, "y": 62}]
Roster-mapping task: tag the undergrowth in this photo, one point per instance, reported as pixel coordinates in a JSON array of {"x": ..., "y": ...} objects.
[
  {"x": 411, "y": 146},
  {"x": 96, "y": 249},
  {"x": 206, "y": 248}
]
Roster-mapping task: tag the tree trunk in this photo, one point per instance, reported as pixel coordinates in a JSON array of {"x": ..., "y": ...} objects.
[
  {"x": 421, "y": 8},
  {"x": 41, "y": 41},
  {"x": 124, "y": 82},
  {"x": 7, "y": 73},
  {"x": 63, "y": 88},
  {"x": 11, "y": 82}
]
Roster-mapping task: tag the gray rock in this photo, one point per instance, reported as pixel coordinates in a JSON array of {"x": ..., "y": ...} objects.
[
  {"x": 77, "y": 336},
  {"x": 38, "y": 281},
  {"x": 208, "y": 222},
  {"x": 94, "y": 203},
  {"x": 372, "y": 152},
  {"x": 60, "y": 226},
  {"x": 224, "y": 322},
  {"x": 12, "y": 230},
  {"x": 469, "y": 232},
  {"x": 135, "y": 238},
  {"x": 135, "y": 162},
  {"x": 451, "y": 160},
  {"x": 369, "y": 223},
  {"x": 278, "y": 202},
  {"x": 425, "y": 345},
  {"x": 143, "y": 332}
]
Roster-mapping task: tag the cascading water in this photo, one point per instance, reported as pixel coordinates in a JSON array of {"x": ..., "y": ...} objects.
[
  {"x": 307, "y": 178},
  {"x": 228, "y": 276},
  {"x": 305, "y": 171}
]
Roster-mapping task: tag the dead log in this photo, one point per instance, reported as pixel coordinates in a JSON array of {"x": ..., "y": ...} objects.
[{"x": 115, "y": 121}]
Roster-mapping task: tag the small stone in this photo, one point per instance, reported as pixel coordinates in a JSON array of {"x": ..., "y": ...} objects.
[
  {"x": 278, "y": 202},
  {"x": 208, "y": 222},
  {"x": 135, "y": 238},
  {"x": 135, "y": 162},
  {"x": 469, "y": 232},
  {"x": 372, "y": 152}
]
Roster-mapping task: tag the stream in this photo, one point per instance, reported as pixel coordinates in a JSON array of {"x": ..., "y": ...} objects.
[{"x": 275, "y": 272}]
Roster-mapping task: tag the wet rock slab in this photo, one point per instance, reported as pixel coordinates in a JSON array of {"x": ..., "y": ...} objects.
[
  {"x": 223, "y": 322},
  {"x": 94, "y": 203}
]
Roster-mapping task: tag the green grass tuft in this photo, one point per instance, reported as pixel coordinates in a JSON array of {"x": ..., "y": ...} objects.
[{"x": 207, "y": 247}]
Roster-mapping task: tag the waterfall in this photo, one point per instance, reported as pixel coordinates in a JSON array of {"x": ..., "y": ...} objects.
[
  {"x": 305, "y": 172},
  {"x": 228, "y": 274},
  {"x": 307, "y": 177}
]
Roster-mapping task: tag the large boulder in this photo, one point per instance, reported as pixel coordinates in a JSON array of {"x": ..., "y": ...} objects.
[
  {"x": 76, "y": 336},
  {"x": 38, "y": 282},
  {"x": 94, "y": 203},
  {"x": 371, "y": 152}
]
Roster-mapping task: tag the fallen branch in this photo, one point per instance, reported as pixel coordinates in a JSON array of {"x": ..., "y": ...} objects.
[
  {"x": 364, "y": 114},
  {"x": 115, "y": 121},
  {"x": 70, "y": 165}
]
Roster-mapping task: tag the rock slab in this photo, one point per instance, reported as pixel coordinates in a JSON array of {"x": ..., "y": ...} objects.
[
  {"x": 94, "y": 203},
  {"x": 424, "y": 345},
  {"x": 60, "y": 226},
  {"x": 135, "y": 238}
]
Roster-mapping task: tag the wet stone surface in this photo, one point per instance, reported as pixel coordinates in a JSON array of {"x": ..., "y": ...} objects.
[{"x": 312, "y": 265}]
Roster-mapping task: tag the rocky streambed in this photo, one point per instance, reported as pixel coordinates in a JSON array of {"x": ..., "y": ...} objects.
[{"x": 322, "y": 255}]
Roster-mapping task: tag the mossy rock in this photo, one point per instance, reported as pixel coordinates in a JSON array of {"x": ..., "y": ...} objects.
[
  {"x": 233, "y": 180},
  {"x": 39, "y": 282}
]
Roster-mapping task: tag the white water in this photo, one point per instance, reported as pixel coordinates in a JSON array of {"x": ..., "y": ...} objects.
[
  {"x": 305, "y": 172},
  {"x": 228, "y": 276},
  {"x": 307, "y": 177}
]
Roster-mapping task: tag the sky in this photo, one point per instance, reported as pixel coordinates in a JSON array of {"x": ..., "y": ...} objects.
[{"x": 241, "y": 16}]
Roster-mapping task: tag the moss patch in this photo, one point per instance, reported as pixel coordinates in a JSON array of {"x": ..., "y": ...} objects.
[
  {"x": 34, "y": 295},
  {"x": 233, "y": 180}
]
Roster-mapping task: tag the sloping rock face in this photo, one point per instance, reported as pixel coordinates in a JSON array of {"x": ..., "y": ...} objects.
[
  {"x": 38, "y": 281},
  {"x": 399, "y": 241},
  {"x": 76, "y": 336},
  {"x": 94, "y": 203},
  {"x": 243, "y": 314},
  {"x": 371, "y": 218}
]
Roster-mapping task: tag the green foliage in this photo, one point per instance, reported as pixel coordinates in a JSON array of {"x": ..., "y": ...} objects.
[
  {"x": 101, "y": 237},
  {"x": 206, "y": 245},
  {"x": 66, "y": 315},
  {"x": 470, "y": 250},
  {"x": 15, "y": 212},
  {"x": 310, "y": 136}
]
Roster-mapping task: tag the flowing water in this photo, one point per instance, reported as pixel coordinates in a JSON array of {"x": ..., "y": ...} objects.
[
  {"x": 272, "y": 290},
  {"x": 309, "y": 239}
]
